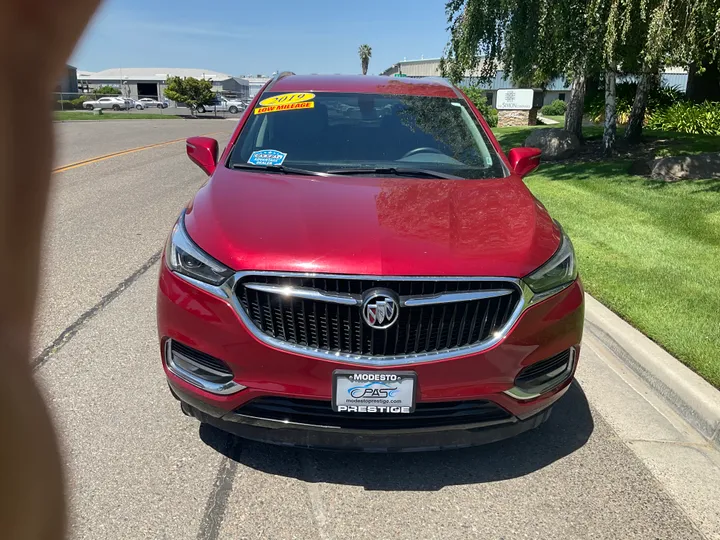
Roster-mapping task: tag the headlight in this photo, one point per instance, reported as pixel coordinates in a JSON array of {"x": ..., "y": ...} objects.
[
  {"x": 557, "y": 273},
  {"x": 184, "y": 257}
]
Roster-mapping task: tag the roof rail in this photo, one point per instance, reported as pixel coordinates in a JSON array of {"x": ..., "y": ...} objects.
[{"x": 277, "y": 77}]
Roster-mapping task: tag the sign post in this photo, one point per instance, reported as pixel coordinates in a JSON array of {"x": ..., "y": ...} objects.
[{"x": 516, "y": 107}]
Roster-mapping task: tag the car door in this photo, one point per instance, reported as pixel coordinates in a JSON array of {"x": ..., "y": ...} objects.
[{"x": 105, "y": 103}]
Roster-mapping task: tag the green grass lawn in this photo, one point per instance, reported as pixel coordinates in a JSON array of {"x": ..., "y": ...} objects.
[
  {"x": 81, "y": 115},
  {"x": 649, "y": 251},
  {"x": 559, "y": 119}
]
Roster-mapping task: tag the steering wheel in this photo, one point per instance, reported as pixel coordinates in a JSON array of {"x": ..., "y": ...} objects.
[{"x": 422, "y": 150}]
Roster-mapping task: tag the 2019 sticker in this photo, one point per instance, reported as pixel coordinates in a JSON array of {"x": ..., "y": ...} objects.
[
  {"x": 267, "y": 157},
  {"x": 286, "y": 102},
  {"x": 284, "y": 99}
]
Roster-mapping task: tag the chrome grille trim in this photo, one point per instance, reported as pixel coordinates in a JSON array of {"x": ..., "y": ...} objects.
[
  {"x": 226, "y": 293},
  {"x": 449, "y": 298},
  {"x": 304, "y": 292}
]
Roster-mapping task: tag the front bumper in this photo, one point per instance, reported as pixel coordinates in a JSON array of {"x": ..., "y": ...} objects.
[
  {"x": 207, "y": 323},
  {"x": 358, "y": 440}
]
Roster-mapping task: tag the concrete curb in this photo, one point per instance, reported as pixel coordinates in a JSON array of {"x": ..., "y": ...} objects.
[{"x": 696, "y": 400}]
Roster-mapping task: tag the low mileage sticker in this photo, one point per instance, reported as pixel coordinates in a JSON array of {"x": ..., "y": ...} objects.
[{"x": 286, "y": 102}]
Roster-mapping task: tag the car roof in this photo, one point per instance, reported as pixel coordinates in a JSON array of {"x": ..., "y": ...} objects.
[{"x": 365, "y": 84}]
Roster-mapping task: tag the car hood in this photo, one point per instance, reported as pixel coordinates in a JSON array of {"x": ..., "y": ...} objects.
[{"x": 373, "y": 226}]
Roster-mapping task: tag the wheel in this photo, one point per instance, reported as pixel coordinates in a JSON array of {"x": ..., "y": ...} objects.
[
  {"x": 89, "y": 107},
  {"x": 200, "y": 109},
  {"x": 116, "y": 107},
  {"x": 159, "y": 106},
  {"x": 139, "y": 107},
  {"x": 233, "y": 109}
]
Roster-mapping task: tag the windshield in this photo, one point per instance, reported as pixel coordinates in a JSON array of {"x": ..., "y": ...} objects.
[{"x": 338, "y": 131}]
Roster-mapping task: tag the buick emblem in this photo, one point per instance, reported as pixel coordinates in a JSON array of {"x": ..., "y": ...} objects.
[{"x": 380, "y": 309}]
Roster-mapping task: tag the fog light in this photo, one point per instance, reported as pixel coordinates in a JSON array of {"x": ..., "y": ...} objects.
[
  {"x": 200, "y": 369},
  {"x": 544, "y": 376}
]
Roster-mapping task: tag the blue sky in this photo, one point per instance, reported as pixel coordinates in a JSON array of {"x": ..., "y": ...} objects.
[{"x": 310, "y": 36}]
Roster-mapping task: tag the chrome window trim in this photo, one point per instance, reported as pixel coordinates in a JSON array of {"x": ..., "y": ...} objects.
[
  {"x": 221, "y": 389},
  {"x": 225, "y": 291}
]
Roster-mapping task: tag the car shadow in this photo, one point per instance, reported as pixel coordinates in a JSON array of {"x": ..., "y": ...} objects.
[{"x": 567, "y": 430}]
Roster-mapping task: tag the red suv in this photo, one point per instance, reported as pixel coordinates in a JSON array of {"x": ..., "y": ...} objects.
[{"x": 366, "y": 270}]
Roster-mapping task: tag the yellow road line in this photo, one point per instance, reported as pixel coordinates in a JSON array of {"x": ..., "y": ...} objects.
[{"x": 121, "y": 153}]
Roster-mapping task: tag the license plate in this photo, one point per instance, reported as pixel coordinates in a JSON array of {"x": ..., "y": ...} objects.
[{"x": 376, "y": 392}]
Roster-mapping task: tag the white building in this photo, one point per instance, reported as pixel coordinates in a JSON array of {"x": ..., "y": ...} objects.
[
  {"x": 256, "y": 83},
  {"x": 557, "y": 89},
  {"x": 151, "y": 82}
]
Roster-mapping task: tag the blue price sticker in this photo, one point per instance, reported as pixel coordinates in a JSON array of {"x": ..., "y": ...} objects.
[{"x": 267, "y": 157}]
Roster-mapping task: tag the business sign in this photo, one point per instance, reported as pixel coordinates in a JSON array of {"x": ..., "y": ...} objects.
[{"x": 515, "y": 99}]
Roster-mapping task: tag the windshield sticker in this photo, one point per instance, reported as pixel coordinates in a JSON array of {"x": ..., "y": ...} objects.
[
  {"x": 285, "y": 107},
  {"x": 267, "y": 157},
  {"x": 284, "y": 99}
]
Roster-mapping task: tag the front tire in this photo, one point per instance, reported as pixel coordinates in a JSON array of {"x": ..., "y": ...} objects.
[
  {"x": 116, "y": 107},
  {"x": 200, "y": 109},
  {"x": 139, "y": 107},
  {"x": 233, "y": 110},
  {"x": 159, "y": 106},
  {"x": 89, "y": 107}
]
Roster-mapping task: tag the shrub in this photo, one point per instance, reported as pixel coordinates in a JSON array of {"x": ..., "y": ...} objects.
[
  {"x": 477, "y": 96},
  {"x": 77, "y": 103},
  {"x": 685, "y": 117},
  {"x": 64, "y": 105},
  {"x": 659, "y": 98},
  {"x": 556, "y": 108}
]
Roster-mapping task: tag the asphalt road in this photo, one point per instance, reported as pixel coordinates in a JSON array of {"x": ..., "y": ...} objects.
[{"x": 612, "y": 462}]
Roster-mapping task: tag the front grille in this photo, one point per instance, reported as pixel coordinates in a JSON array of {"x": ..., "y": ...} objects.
[
  {"x": 337, "y": 328},
  {"x": 426, "y": 415},
  {"x": 531, "y": 374}
]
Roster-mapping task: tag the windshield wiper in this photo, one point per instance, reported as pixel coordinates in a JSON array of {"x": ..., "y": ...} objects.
[
  {"x": 396, "y": 172},
  {"x": 277, "y": 168}
]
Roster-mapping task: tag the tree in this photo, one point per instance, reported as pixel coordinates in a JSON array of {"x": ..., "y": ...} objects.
[
  {"x": 193, "y": 92},
  {"x": 535, "y": 42},
  {"x": 364, "y": 52},
  {"x": 678, "y": 32},
  {"x": 108, "y": 90},
  {"x": 477, "y": 96}
]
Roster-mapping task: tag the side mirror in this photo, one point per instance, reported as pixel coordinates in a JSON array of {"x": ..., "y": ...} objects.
[
  {"x": 524, "y": 160},
  {"x": 203, "y": 151}
]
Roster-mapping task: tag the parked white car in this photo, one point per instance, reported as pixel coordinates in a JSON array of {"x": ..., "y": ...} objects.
[
  {"x": 114, "y": 103},
  {"x": 144, "y": 103},
  {"x": 221, "y": 103}
]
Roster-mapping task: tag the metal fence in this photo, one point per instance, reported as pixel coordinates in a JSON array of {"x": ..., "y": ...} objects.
[{"x": 89, "y": 103}]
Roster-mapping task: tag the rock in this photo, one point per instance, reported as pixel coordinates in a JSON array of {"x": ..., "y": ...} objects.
[
  {"x": 555, "y": 143},
  {"x": 699, "y": 166},
  {"x": 640, "y": 167}
]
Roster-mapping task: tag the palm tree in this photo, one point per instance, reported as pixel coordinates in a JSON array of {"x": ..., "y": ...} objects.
[{"x": 365, "y": 52}]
